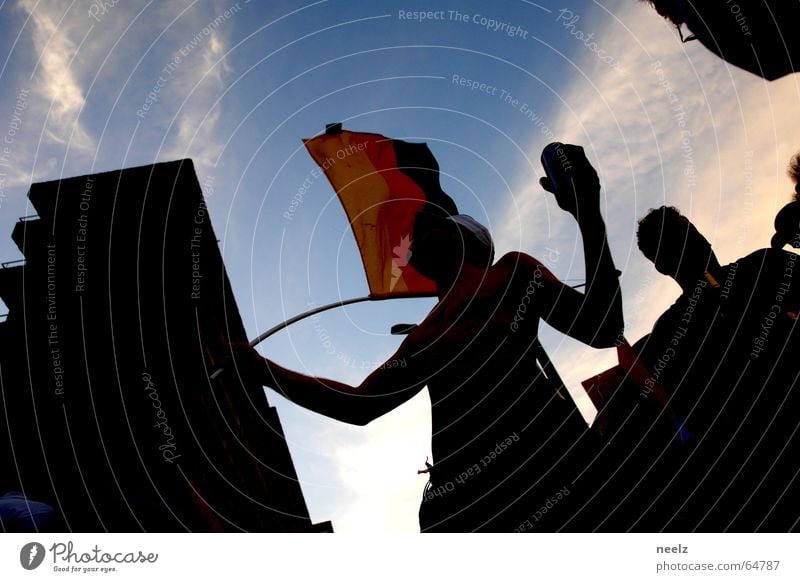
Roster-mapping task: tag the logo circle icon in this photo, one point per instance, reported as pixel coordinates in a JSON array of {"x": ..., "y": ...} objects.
[{"x": 31, "y": 555}]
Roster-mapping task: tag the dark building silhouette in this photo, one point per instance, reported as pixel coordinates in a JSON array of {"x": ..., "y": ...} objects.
[{"x": 116, "y": 319}]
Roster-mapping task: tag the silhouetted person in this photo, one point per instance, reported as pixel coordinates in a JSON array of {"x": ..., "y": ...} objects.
[
  {"x": 678, "y": 250},
  {"x": 722, "y": 351},
  {"x": 759, "y": 36},
  {"x": 507, "y": 448}
]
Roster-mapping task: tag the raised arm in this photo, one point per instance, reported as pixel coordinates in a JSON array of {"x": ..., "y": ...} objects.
[
  {"x": 389, "y": 386},
  {"x": 595, "y": 316}
]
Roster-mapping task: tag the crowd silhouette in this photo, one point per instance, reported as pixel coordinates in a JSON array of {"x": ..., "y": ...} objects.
[
  {"x": 697, "y": 427},
  {"x": 722, "y": 352}
]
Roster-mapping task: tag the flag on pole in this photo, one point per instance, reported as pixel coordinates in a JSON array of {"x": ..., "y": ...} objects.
[{"x": 382, "y": 183}]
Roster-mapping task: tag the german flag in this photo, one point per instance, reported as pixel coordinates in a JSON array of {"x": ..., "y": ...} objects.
[{"x": 382, "y": 183}]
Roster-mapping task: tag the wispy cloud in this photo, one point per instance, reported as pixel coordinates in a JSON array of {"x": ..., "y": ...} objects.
[
  {"x": 57, "y": 35},
  {"x": 674, "y": 125},
  {"x": 78, "y": 55},
  {"x": 200, "y": 82}
]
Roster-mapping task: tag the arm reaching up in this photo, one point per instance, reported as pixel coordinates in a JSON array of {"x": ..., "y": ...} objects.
[{"x": 595, "y": 316}]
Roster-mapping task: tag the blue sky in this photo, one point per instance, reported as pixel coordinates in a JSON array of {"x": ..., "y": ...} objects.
[{"x": 92, "y": 86}]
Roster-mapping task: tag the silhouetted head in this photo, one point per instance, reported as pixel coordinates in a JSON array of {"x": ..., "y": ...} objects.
[
  {"x": 794, "y": 174},
  {"x": 787, "y": 221},
  {"x": 669, "y": 9},
  {"x": 442, "y": 244},
  {"x": 674, "y": 245},
  {"x": 787, "y": 226}
]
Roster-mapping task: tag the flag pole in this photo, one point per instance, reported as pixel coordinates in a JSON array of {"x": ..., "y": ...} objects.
[
  {"x": 273, "y": 330},
  {"x": 541, "y": 355}
]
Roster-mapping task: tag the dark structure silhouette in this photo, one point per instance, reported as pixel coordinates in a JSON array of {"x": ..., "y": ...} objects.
[
  {"x": 759, "y": 36},
  {"x": 118, "y": 314},
  {"x": 510, "y": 449}
]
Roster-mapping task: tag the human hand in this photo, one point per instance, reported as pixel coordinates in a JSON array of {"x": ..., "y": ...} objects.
[{"x": 578, "y": 189}]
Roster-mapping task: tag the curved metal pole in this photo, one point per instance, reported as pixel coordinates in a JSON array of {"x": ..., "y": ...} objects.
[
  {"x": 541, "y": 355},
  {"x": 302, "y": 316},
  {"x": 296, "y": 318}
]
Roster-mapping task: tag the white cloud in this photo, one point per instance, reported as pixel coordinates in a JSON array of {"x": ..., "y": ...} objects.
[
  {"x": 676, "y": 125},
  {"x": 200, "y": 82},
  {"x": 75, "y": 54},
  {"x": 57, "y": 34},
  {"x": 383, "y": 470}
]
